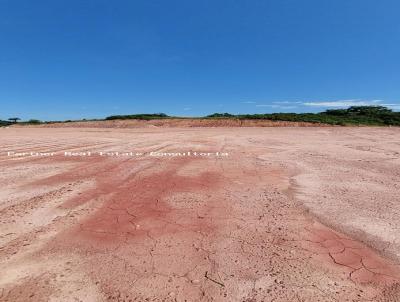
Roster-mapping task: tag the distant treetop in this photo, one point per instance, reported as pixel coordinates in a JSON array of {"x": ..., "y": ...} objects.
[
  {"x": 14, "y": 119},
  {"x": 221, "y": 115},
  {"x": 142, "y": 116},
  {"x": 360, "y": 110}
]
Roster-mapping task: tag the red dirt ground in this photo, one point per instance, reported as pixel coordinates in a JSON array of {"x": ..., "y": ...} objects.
[{"x": 289, "y": 214}]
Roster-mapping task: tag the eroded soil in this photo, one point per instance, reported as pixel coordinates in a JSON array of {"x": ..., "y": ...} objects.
[{"x": 292, "y": 214}]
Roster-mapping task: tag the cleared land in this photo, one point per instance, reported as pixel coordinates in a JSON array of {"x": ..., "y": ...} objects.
[{"x": 292, "y": 214}]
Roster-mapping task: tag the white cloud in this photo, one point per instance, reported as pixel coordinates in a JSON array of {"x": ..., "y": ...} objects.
[
  {"x": 392, "y": 106},
  {"x": 343, "y": 103},
  {"x": 356, "y": 102},
  {"x": 267, "y": 105},
  {"x": 287, "y": 107},
  {"x": 327, "y": 104},
  {"x": 286, "y": 102},
  {"x": 276, "y": 106}
]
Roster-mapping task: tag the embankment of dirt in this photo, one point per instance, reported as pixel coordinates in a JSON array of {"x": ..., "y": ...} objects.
[{"x": 184, "y": 123}]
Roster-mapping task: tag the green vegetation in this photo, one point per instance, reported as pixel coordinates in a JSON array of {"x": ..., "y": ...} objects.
[
  {"x": 221, "y": 115},
  {"x": 14, "y": 119},
  {"x": 355, "y": 115},
  {"x": 4, "y": 123},
  {"x": 152, "y": 116},
  {"x": 32, "y": 122}
]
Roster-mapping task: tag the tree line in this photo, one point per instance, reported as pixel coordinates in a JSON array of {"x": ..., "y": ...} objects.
[{"x": 354, "y": 115}]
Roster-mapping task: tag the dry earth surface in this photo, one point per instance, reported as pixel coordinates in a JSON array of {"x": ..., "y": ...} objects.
[{"x": 291, "y": 214}]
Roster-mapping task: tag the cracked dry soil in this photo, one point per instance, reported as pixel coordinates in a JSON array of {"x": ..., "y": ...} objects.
[{"x": 292, "y": 214}]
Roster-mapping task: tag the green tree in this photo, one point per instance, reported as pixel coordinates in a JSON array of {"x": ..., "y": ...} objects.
[{"x": 14, "y": 119}]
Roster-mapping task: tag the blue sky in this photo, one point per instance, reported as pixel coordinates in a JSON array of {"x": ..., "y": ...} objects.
[{"x": 85, "y": 59}]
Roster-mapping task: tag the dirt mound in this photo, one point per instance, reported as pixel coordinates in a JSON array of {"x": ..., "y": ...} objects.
[{"x": 182, "y": 123}]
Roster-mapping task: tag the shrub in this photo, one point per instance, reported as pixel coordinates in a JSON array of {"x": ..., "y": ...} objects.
[
  {"x": 355, "y": 115},
  {"x": 34, "y": 122},
  {"x": 143, "y": 116}
]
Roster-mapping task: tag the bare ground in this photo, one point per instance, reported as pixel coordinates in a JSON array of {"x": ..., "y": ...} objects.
[{"x": 292, "y": 214}]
